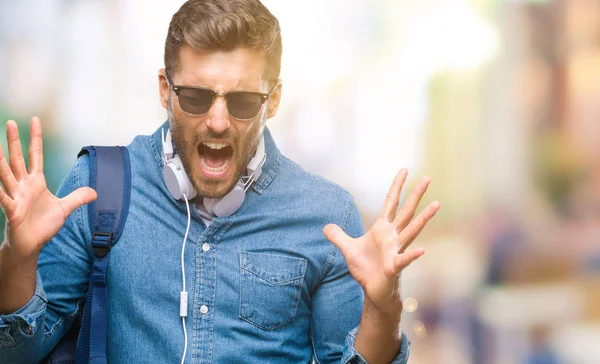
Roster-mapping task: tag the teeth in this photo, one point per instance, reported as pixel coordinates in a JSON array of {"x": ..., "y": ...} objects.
[
  {"x": 212, "y": 169},
  {"x": 216, "y": 146}
]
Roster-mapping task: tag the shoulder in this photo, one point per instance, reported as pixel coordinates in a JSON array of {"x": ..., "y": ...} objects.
[
  {"x": 312, "y": 186},
  {"x": 311, "y": 196},
  {"x": 141, "y": 150},
  {"x": 144, "y": 147}
]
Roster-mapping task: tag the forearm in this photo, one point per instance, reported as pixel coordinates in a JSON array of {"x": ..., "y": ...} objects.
[
  {"x": 378, "y": 338},
  {"x": 17, "y": 279}
]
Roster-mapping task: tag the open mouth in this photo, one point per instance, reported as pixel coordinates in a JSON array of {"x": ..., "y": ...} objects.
[{"x": 215, "y": 158}]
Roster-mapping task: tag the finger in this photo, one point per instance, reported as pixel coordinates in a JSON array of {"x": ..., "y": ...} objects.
[
  {"x": 15, "y": 154},
  {"x": 338, "y": 237},
  {"x": 36, "y": 156},
  {"x": 77, "y": 198},
  {"x": 407, "y": 211},
  {"x": 6, "y": 176},
  {"x": 392, "y": 199},
  {"x": 403, "y": 260},
  {"x": 8, "y": 204},
  {"x": 408, "y": 235}
]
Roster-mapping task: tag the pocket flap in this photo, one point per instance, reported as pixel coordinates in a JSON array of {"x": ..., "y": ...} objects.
[{"x": 274, "y": 268}]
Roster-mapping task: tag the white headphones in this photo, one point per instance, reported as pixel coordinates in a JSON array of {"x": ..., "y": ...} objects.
[{"x": 179, "y": 184}]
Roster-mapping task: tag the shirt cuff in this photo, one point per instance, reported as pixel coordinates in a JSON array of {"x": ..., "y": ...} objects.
[
  {"x": 25, "y": 320},
  {"x": 351, "y": 356}
]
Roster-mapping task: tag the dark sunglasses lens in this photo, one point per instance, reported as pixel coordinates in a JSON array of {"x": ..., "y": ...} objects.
[
  {"x": 243, "y": 105},
  {"x": 195, "y": 101}
]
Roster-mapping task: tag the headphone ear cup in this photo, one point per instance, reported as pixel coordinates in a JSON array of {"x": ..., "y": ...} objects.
[
  {"x": 228, "y": 204},
  {"x": 177, "y": 181}
]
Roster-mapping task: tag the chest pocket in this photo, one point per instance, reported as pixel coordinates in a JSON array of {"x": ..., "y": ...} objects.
[{"x": 270, "y": 288}]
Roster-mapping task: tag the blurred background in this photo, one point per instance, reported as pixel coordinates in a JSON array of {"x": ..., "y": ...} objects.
[{"x": 497, "y": 100}]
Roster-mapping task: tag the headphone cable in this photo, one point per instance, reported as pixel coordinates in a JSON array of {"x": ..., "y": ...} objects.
[{"x": 183, "y": 295}]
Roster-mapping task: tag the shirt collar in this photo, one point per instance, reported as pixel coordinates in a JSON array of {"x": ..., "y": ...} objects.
[{"x": 271, "y": 166}]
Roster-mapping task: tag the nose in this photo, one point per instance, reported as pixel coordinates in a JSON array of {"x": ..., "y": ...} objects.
[{"x": 218, "y": 116}]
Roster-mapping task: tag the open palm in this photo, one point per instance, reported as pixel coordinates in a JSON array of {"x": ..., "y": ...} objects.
[
  {"x": 34, "y": 215},
  {"x": 376, "y": 259}
]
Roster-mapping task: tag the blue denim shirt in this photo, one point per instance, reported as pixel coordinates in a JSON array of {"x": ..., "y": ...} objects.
[{"x": 265, "y": 285}]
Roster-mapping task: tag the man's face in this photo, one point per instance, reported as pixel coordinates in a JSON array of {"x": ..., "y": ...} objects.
[{"x": 215, "y": 148}]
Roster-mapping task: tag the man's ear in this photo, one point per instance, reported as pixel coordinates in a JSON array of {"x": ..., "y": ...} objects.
[
  {"x": 274, "y": 100},
  {"x": 163, "y": 88}
]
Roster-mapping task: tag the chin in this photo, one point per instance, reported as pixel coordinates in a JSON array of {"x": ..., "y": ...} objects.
[{"x": 215, "y": 189}]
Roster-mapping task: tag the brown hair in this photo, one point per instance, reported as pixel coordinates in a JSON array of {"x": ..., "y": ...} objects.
[{"x": 225, "y": 25}]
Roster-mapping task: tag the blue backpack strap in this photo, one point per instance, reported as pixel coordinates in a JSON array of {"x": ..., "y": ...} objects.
[{"x": 110, "y": 176}]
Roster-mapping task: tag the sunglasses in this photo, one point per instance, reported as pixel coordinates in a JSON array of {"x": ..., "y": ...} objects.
[{"x": 242, "y": 105}]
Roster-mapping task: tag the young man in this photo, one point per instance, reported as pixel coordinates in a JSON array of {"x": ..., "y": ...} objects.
[{"x": 265, "y": 282}]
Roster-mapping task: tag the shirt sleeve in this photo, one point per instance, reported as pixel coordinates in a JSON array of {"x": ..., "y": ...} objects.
[
  {"x": 351, "y": 356},
  {"x": 30, "y": 333},
  {"x": 337, "y": 306}
]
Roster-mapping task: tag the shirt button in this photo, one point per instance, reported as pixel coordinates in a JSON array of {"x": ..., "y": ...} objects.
[
  {"x": 204, "y": 309},
  {"x": 206, "y": 247}
]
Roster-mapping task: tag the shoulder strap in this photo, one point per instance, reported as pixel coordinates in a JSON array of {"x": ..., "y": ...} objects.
[{"x": 110, "y": 176}]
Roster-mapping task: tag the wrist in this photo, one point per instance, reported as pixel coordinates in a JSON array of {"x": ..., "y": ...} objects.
[
  {"x": 12, "y": 262},
  {"x": 389, "y": 313},
  {"x": 379, "y": 338},
  {"x": 17, "y": 279}
]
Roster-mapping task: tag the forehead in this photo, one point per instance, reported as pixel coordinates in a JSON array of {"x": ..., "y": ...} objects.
[{"x": 241, "y": 68}]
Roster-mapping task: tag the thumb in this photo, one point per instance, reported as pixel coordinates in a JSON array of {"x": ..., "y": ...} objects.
[
  {"x": 77, "y": 198},
  {"x": 337, "y": 236}
]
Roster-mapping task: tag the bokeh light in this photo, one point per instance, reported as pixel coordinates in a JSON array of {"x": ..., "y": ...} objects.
[{"x": 410, "y": 304}]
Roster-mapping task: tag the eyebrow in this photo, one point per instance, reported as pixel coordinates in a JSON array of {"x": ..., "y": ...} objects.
[{"x": 240, "y": 86}]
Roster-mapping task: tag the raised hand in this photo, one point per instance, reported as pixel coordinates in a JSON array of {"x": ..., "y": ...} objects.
[
  {"x": 377, "y": 258},
  {"x": 34, "y": 215}
]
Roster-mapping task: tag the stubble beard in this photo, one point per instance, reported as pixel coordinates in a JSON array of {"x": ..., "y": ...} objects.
[{"x": 211, "y": 188}]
